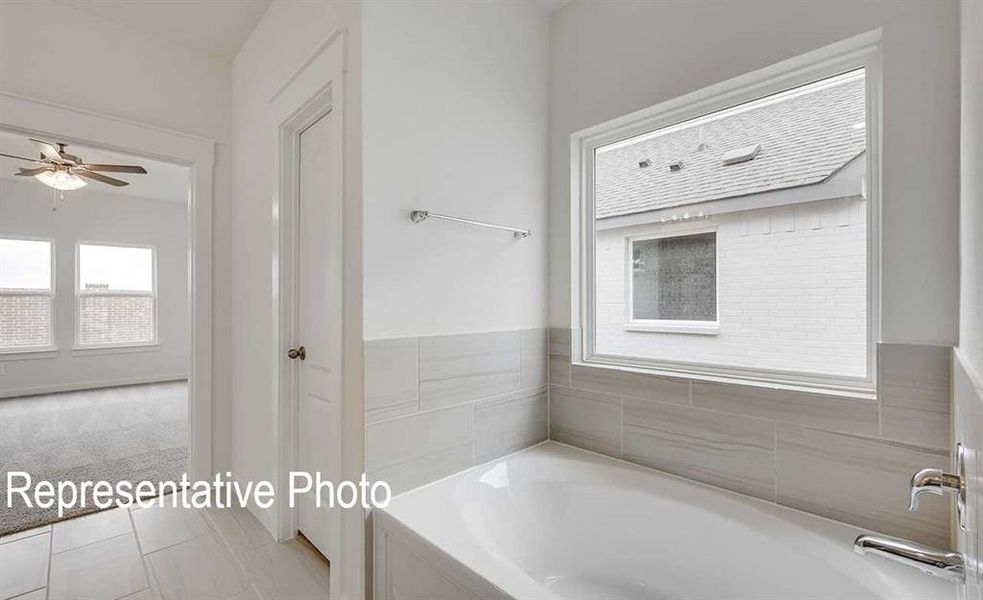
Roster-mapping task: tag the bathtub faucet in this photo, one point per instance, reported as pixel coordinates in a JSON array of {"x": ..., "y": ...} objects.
[
  {"x": 933, "y": 481},
  {"x": 941, "y": 563}
]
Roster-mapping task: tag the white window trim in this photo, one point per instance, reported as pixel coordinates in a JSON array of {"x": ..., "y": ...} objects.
[
  {"x": 862, "y": 51},
  {"x": 121, "y": 347},
  {"x": 50, "y": 349},
  {"x": 669, "y": 325}
]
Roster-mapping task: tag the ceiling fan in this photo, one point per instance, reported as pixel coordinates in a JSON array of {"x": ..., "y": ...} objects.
[{"x": 63, "y": 171}]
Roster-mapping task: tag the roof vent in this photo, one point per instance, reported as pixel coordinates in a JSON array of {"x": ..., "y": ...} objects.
[
  {"x": 739, "y": 155},
  {"x": 642, "y": 164},
  {"x": 676, "y": 166}
]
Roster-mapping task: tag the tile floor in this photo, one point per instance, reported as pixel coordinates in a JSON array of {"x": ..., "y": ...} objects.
[{"x": 159, "y": 554}]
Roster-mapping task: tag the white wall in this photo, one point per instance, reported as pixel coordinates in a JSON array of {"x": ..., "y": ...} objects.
[
  {"x": 776, "y": 309},
  {"x": 612, "y": 58},
  {"x": 91, "y": 216},
  {"x": 455, "y": 122},
  {"x": 137, "y": 77},
  {"x": 285, "y": 37},
  {"x": 971, "y": 188}
]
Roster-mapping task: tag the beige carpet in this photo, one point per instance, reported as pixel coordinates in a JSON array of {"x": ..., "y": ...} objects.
[{"x": 130, "y": 433}]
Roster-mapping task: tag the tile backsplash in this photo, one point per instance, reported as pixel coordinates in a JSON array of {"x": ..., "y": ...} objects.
[
  {"x": 438, "y": 404},
  {"x": 843, "y": 458}
]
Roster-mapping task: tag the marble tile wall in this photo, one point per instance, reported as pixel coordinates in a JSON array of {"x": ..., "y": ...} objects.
[
  {"x": 436, "y": 405},
  {"x": 968, "y": 404},
  {"x": 843, "y": 458}
]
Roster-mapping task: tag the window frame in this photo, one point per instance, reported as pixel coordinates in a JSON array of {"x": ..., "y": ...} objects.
[
  {"x": 669, "y": 325},
  {"x": 862, "y": 51},
  {"x": 79, "y": 293},
  {"x": 52, "y": 346}
]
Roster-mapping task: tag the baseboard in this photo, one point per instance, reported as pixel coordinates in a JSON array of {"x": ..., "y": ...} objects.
[{"x": 90, "y": 385}]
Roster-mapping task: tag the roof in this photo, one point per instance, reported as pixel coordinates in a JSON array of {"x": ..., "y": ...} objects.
[{"x": 805, "y": 138}]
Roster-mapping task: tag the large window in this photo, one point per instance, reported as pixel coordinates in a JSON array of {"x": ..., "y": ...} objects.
[
  {"x": 728, "y": 235},
  {"x": 25, "y": 295},
  {"x": 117, "y": 295}
]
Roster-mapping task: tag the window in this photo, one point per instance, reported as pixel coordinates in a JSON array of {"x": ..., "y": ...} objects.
[
  {"x": 727, "y": 235},
  {"x": 25, "y": 295},
  {"x": 117, "y": 296},
  {"x": 674, "y": 283}
]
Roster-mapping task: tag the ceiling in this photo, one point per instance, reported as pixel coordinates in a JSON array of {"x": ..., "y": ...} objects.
[
  {"x": 214, "y": 27},
  {"x": 217, "y": 28},
  {"x": 163, "y": 181}
]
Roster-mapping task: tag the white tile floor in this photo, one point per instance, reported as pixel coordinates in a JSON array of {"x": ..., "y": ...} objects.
[{"x": 159, "y": 554}]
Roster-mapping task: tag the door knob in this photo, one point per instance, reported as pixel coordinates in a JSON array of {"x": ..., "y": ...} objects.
[{"x": 300, "y": 353}]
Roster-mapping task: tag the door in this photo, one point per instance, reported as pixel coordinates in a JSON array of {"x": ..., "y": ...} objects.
[{"x": 319, "y": 328}]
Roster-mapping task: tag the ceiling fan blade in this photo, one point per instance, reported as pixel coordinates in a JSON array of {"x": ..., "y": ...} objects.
[
  {"x": 32, "y": 172},
  {"x": 101, "y": 178},
  {"x": 47, "y": 150},
  {"x": 34, "y": 160},
  {"x": 115, "y": 168}
]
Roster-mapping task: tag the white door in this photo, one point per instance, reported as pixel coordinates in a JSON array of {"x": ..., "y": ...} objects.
[{"x": 319, "y": 296}]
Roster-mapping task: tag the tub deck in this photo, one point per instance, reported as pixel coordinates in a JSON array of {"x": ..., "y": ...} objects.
[{"x": 554, "y": 521}]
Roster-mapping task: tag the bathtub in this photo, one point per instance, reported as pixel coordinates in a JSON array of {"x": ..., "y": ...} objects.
[{"x": 557, "y": 522}]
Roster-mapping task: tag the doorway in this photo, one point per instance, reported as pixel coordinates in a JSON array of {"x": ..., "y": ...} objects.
[
  {"x": 124, "y": 308},
  {"x": 94, "y": 320}
]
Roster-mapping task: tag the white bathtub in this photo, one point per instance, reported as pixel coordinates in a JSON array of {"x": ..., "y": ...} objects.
[{"x": 557, "y": 522}]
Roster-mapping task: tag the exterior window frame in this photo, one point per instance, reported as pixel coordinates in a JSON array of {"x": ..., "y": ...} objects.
[
  {"x": 860, "y": 52},
  {"x": 669, "y": 325},
  {"x": 80, "y": 347},
  {"x": 52, "y": 346}
]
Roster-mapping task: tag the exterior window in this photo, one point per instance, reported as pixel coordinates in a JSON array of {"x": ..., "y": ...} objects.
[
  {"x": 117, "y": 296},
  {"x": 731, "y": 239},
  {"x": 25, "y": 295},
  {"x": 674, "y": 278}
]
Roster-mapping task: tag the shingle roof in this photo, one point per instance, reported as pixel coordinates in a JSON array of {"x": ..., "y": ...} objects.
[{"x": 804, "y": 139}]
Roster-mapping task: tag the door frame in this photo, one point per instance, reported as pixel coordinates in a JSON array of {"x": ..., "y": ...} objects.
[
  {"x": 316, "y": 88},
  {"x": 40, "y": 118}
]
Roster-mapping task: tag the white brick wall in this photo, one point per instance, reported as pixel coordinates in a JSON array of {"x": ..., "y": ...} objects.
[{"x": 791, "y": 291}]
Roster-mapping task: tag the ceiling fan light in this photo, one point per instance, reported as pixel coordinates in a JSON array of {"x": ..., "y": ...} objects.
[{"x": 61, "y": 180}]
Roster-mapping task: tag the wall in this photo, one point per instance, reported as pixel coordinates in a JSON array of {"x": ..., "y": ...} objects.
[
  {"x": 438, "y": 404},
  {"x": 775, "y": 314},
  {"x": 25, "y": 209},
  {"x": 612, "y": 58},
  {"x": 455, "y": 122},
  {"x": 797, "y": 449},
  {"x": 152, "y": 82},
  {"x": 968, "y": 358}
]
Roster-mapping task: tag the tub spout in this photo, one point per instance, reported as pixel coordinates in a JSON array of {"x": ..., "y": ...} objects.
[{"x": 941, "y": 563}]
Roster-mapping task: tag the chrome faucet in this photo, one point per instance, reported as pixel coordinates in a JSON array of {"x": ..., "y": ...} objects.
[
  {"x": 946, "y": 564},
  {"x": 933, "y": 481},
  {"x": 941, "y": 563}
]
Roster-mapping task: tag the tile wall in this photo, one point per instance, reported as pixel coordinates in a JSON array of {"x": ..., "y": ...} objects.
[
  {"x": 968, "y": 402},
  {"x": 438, "y": 404},
  {"x": 843, "y": 458}
]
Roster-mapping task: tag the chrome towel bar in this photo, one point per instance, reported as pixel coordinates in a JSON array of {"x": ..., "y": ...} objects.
[{"x": 422, "y": 215}]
